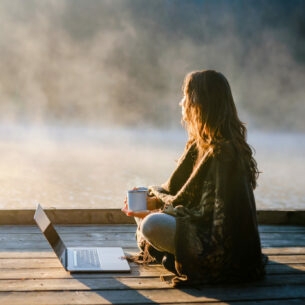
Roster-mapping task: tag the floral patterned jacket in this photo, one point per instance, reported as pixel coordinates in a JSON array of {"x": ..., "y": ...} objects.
[{"x": 217, "y": 238}]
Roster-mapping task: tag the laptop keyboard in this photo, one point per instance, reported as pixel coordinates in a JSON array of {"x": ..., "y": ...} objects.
[{"x": 86, "y": 258}]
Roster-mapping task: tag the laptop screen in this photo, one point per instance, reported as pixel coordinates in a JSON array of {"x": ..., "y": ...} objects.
[{"x": 49, "y": 231}]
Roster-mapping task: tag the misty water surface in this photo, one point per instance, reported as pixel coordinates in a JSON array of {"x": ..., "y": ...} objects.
[
  {"x": 93, "y": 168},
  {"x": 122, "y": 63}
]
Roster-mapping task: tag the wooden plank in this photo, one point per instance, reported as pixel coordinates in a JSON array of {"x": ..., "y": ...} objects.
[
  {"x": 91, "y": 228},
  {"x": 280, "y": 228},
  {"x": 38, "y": 262},
  {"x": 287, "y": 259},
  {"x": 93, "y": 236},
  {"x": 121, "y": 283},
  {"x": 149, "y": 296},
  {"x": 84, "y": 228},
  {"x": 83, "y": 284},
  {"x": 142, "y": 271},
  {"x": 284, "y": 251},
  {"x": 27, "y": 263},
  {"x": 298, "y": 237},
  {"x": 60, "y": 272},
  {"x": 23, "y": 254},
  {"x": 277, "y": 217},
  {"x": 81, "y": 238},
  {"x": 70, "y": 229},
  {"x": 48, "y": 252},
  {"x": 67, "y": 216},
  {"x": 285, "y": 268},
  {"x": 281, "y": 243},
  {"x": 42, "y": 245},
  {"x": 115, "y": 216},
  {"x": 35, "y": 276},
  {"x": 30, "y": 237},
  {"x": 105, "y": 231},
  {"x": 44, "y": 253}
]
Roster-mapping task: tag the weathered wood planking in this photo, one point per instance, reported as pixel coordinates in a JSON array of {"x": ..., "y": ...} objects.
[
  {"x": 30, "y": 273},
  {"x": 115, "y": 216}
]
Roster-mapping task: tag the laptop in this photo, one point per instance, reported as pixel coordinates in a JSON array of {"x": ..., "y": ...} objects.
[{"x": 81, "y": 259}]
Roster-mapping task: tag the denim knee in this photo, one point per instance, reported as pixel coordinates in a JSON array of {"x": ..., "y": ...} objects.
[
  {"x": 148, "y": 225},
  {"x": 159, "y": 230}
]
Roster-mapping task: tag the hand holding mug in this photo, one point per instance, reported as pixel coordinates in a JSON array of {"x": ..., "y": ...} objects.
[{"x": 138, "y": 204}]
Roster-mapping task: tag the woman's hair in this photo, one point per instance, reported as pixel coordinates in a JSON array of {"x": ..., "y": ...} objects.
[{"x": 211, "y": 117}]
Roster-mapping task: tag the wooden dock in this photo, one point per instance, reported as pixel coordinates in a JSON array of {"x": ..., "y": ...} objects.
[{"x": 30, "y": 273}]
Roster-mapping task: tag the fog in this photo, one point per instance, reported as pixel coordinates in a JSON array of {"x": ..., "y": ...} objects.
[
  {"x": 94, "y": 168},
  {"x": 122, "y": 62},
  {"x": 90, "y": 89}
]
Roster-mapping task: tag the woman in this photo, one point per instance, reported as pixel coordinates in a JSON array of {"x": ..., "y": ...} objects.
[{"x": 202, "y": 222}]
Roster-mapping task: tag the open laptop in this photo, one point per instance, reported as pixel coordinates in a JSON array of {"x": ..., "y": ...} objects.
[{"x": 81, "y": 259}]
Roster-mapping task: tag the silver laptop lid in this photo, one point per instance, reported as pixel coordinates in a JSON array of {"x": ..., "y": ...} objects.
[{"x": 50, "y": 233}]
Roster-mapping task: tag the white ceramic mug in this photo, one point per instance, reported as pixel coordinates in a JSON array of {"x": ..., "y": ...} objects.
[{"x": 137, "y": 199}]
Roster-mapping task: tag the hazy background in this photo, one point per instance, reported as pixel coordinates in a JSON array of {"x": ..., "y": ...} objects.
[
  {"x": 90, "y": 89},
  {"x": 123, "y": 61}
]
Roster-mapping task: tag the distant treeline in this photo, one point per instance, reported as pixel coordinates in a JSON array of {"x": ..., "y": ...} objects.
[{"x": 123, "y": 61}]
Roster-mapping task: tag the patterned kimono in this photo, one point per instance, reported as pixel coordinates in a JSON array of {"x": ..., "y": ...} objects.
[{"x": 217, "y": 238}]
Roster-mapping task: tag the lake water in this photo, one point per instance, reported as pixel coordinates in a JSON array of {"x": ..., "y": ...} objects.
[{"x": 93, "y": 168}]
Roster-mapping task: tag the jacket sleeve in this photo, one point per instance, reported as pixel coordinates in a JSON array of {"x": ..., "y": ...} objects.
[
  {"x": 169, "y": 191},
  {"x": 186, "y": 200}
]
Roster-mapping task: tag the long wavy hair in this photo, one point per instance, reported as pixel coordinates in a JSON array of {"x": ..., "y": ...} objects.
[{"x": 210, "y": 117}]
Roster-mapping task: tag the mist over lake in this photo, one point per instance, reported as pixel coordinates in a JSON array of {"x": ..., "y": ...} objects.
[
  {"x": 93, "y": 168},
  {"x": 123, "y": 62},
  {"x": 89, "y": 94}
]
